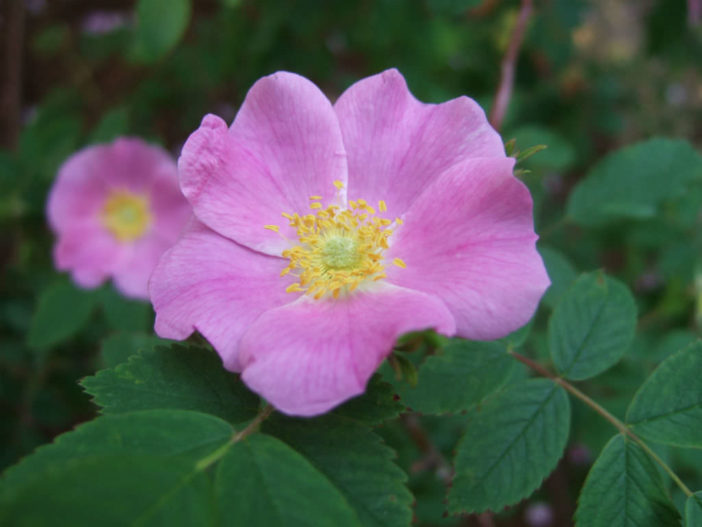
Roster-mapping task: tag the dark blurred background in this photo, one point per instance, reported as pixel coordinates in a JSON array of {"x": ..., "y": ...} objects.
[{"x": 592, "y": 75}]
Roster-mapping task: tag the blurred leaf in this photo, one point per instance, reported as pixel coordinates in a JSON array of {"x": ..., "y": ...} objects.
[
  {"x": 124, "y": 313},
  {"x": 52, "y": 134},
  {"x": 126, "y": 469},
  {"x": 458, "y": 377},
  {"x": 118, "y": 347},
  {"x": 113, "y": 124},
  {"x": 634, "y": 181},
  {"x": 355, "y": 461},
  {"x": 512, "y": 442},
  {"x": 375, "y": 405},
  {"x": 160, "y": 25},
  {"x": 187, "y": 378},
  {"x": 624, "y": 488},
  {"x": 50, "y": 41},
  {"x": 543, "y": 149},
  {"x": 668, "y": 407},
  {"x": 693, "y": 510},
  {"x": 592, "y": 326},
  {"x": 452, "y": 7},
  {"x": 62, "y": 310},
  {"x": 263, "y": 482},
  {"x": 561, "y": 272}
]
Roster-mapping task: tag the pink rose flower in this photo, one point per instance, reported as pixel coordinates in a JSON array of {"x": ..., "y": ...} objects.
[
  {"x": 323, "y": 232},
  {"x": 115, "y": 209}
]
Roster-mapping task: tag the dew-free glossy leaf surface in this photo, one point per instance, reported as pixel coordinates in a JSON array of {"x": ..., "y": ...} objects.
[
  {"x": 263, "y": 482},
  {"x": 624, "y": 489},
  {"x": 459, "y": 376},
  {"x": 187, "y": 378},
  {"x": 356, "y": 461},
  {"x": 512, "y": 442},
  {"x": 592, "y": 326},
  {"x": 693, "y": 510},
  {"x": 127, "y": 469},
  {"x": 668, "y": 407}
]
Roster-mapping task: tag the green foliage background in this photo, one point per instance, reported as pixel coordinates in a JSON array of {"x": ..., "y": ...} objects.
[{"x": 613, "y": 88}]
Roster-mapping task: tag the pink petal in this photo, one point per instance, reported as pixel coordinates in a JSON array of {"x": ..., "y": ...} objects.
[
  {"x": 396, "y": 145},
  {"x": 131, "y": 278},
  {"x": 79, "y": 192},
  {"x": 284, "y": 146},
  {"x": 212, "y": 284},
  {"x": 307, "y": 357},
  {"x": 469, "y": 239},
  {"x": 89, "y": 253}
]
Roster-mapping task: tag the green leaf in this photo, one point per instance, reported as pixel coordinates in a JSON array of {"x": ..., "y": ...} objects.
[
  {"x": 693, "y": 510},
  {"x": 160, "y": 433},
  {"x": 263, "y": 482},
  {"x": 459, "y": 376},
  {"x": 116, "y": 490},
  {"x": 112, "y": 125},
  {"x": 512, "y": 442},
  {"x": 188, "y": 378},
  {"x": 592, "y": 326},
  {"x": 624, "y": 489},
  {"x": 634, "y": 181},
  {"x": 123, "y": 313},
  {"x": 377, "y": 404},
  {"x": 355, "y": 461},
  {"x": 137, "y": 468},
  {"x": 160, "y": 26},
  {"x": 118, "y": 347},
  {"x": 561, "y": 272},
  {"x": 452, "y": 7},
  {"x": 61, "y": 312},
  {"x": 668, "y": 406}
]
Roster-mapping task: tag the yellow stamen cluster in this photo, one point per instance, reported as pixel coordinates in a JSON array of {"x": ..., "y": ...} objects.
[
  {"x": 339, "y": 249},
  {"x": 126, "y": 215}
]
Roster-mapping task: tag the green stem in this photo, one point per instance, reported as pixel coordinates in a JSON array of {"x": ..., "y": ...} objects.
[
  {"x": 250, "y": 429},
  {"x": 623, "y": 428}
]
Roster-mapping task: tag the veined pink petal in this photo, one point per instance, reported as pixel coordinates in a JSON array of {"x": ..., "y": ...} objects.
[
  {"x": 309, "y": 356},
  {"x": 469, "y": 239},
  {"x": 396, "y": 145},
  {"x": 284, "y": 146},
  {"x": 212, "y": 284}
]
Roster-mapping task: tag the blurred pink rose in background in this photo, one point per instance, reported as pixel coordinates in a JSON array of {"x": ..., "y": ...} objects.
[{"x": 115, "y": 208}]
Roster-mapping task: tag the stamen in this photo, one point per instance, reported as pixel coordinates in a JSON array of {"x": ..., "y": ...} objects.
[
  {"x": 273, "y": 228},
  {"x": 339, "y": 249},
  {"x": 399, "y": 262}
]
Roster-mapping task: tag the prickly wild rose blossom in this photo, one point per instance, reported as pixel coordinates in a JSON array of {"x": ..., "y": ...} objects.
[
  {"x": 115, "y": 209},
  {"x": 323, "y": 232}
]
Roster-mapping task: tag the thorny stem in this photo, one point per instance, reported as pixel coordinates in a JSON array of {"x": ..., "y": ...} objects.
[
  {"x": 243, "y": 434},
  {"x": 624, "y": 429},
  {"x": 509, "y": 64}
]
